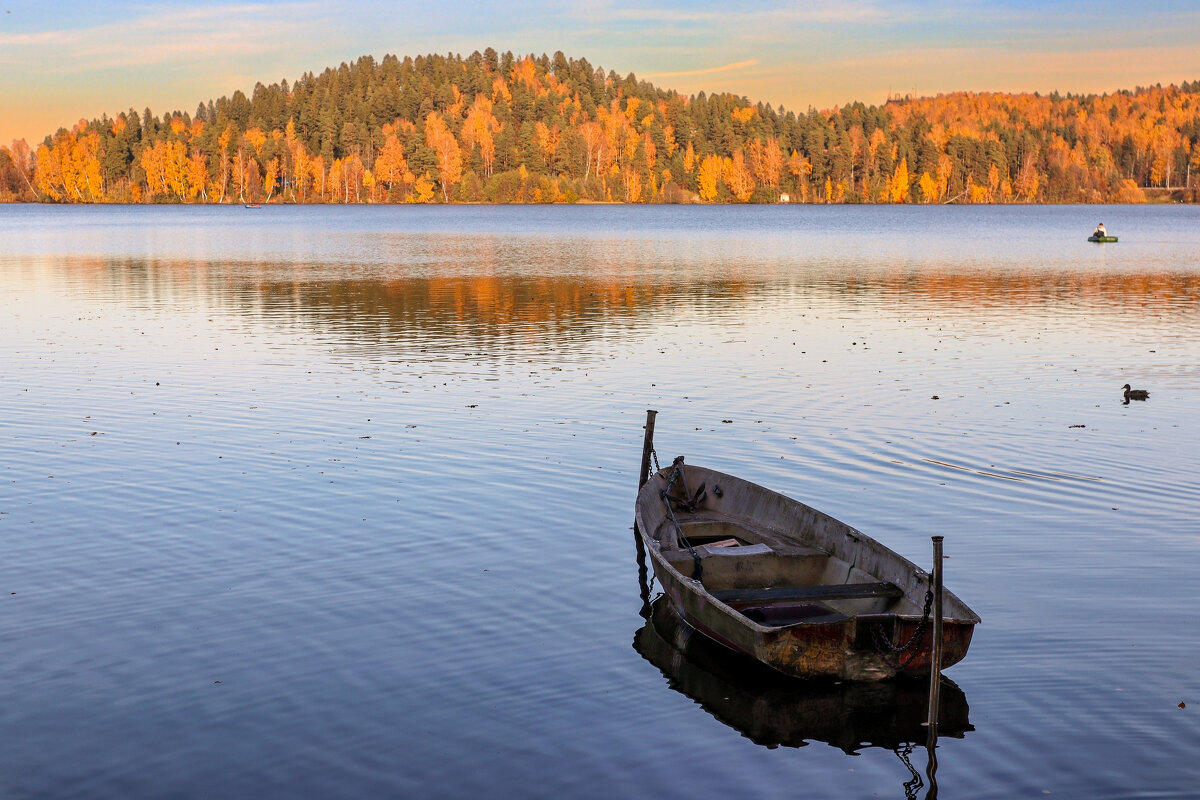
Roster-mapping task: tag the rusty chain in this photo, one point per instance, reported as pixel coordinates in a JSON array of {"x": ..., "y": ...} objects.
[{"x": 884, "y": 644}]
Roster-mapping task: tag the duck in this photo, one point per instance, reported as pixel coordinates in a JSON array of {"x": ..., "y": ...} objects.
[{"x": 1134, "y": 394}]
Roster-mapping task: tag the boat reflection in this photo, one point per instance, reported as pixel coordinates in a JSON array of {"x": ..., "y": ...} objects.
[{"x": 774, "y": 710}]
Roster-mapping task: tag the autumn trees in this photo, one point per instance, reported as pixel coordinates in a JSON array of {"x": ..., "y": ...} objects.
[
  {"x": 492, "y": 127},
  {"x": 17, "y": 173},
  {"x": 70, "y": 171}
]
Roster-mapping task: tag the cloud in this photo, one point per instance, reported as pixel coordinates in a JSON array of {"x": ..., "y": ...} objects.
[
  {"x": 749, "y": 16},
  {"x": 706, "y": 71},
  {"x": 931, "y": 71},
  {"x": 1011, "y": 68},
  {"x": 183, "y": 36}
]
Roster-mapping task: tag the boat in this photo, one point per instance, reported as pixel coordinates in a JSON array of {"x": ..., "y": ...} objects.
[
  {"x": 788, "y": 585},
  {"x": 1095, "y": 238},
  {"x": 253, "y": 205},
  {"x": 773, "y": 710}
]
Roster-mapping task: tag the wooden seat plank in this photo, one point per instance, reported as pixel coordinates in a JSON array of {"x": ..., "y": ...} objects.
[{"x": 782, "y": 594}]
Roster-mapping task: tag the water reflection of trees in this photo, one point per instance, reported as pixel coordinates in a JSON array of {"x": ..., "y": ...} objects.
[
  {"x": 1094, "y": 290},
  {"x": 455, "y": 307},
  {"x": 378, "y": 303}
]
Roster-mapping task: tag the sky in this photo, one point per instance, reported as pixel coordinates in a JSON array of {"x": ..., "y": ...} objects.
[{"x": 63, "y": 61}]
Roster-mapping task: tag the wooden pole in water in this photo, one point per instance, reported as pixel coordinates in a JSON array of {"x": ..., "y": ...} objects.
[
  {"x": 647, "y": 447},
  {"x": 935, "y": 666},
  {"x": 643, "y": 476}
]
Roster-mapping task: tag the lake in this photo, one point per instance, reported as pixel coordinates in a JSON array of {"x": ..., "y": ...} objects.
[{"x": 338, "y": 501}]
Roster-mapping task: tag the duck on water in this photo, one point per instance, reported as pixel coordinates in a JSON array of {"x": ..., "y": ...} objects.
[{"x": 1134, "y": 394}]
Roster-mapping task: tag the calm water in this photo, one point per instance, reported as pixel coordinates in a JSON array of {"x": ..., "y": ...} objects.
[{"x": 336, "y": 502}]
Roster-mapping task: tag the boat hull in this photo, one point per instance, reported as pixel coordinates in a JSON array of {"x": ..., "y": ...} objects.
[
  {"x": 1102, "y": 239},
  {"x": 846, "y": 649},
  {"x": 850, "y": 639},
  {"x": 772, "y": 710}
]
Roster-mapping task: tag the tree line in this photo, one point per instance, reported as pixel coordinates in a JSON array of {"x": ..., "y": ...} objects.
[{"x": 501, "y": 128}]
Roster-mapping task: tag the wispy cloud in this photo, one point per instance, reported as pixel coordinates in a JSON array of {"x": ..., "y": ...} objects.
[
  {"x": 742, "y": 15},
  {"x": 705, "y": 71},
  {"x": 178, "y": 36}
]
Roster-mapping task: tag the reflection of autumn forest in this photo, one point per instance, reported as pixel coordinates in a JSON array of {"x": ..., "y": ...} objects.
[
  {"x": 548, "y": 310},
  {"x": 496, "y": 128}
]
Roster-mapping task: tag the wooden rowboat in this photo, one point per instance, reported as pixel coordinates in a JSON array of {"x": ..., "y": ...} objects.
[
  {"x": 1102, "y": 238},
  {"x": 792, "y": 587}
]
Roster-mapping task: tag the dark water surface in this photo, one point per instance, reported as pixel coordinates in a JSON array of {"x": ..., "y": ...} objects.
[{"x": 336, "y": 502}]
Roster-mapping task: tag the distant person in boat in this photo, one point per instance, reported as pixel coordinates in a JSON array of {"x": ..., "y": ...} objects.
[{"x": 1100, "y": 230}]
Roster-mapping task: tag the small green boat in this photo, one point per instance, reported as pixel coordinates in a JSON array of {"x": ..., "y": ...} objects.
[{"x": 1102, "y": 238}]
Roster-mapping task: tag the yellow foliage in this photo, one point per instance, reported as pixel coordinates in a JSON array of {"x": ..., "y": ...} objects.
[
  {"x": 500, "y": 89},
  {"x": 766, "y": 160},
  {"x": 710, "y": 173},
  {"x": 669, "y": 139},
  {"x": 737, "y": 176},
  {"x": 454, "y": 110},
  {"x": 255, "y": 138},
  {"x": 525, "y": 71},
  {"x": 1028, "y": 181},
  {"x": 744, "y": 115},
  {"x": 272, "y": 176},
  {"x": 69, "y": 169},
  {"x": 449, "y": 157},
  {"x": 929, "y": 188},
  {"x": 898, "y": 190},
  {"x": 480, "y": 129},
  {"x": 976, "y": 193},
  {"x": 547, "y": 139},
  {"x": 197, "y": 177},
  {"x": 633, "y": 184},
  {"x": 1130, "y": 192}
]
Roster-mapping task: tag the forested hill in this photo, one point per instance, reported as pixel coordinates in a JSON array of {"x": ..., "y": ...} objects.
[{"x": 495, "y": 127}]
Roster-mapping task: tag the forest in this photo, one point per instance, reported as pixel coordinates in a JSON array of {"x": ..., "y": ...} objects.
[{"x": 505, "y": 128}]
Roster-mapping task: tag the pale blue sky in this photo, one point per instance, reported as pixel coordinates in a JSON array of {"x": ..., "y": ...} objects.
[{"x": 63, "y": 61}]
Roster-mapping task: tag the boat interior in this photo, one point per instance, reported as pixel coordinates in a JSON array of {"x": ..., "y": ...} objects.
[{"x": 773, "y": 580}]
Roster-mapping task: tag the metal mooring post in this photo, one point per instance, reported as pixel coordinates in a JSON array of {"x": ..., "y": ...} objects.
[
  {"x": 647, "y": 448},
  {"x": 935, "y": 666}
]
